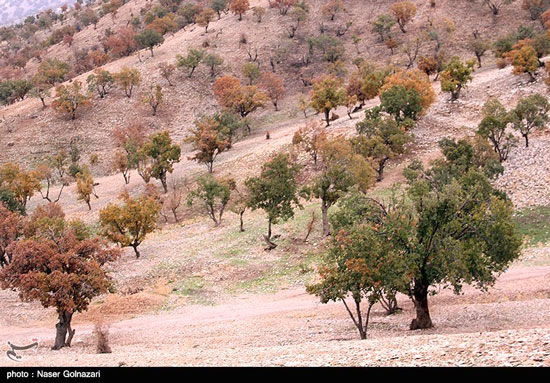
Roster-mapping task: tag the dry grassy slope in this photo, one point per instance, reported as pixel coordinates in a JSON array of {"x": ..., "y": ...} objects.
[
  {"x": 28, "y": 133},
  {"x": 284, "y": 328},
  {"x": 13, "y": 11}
]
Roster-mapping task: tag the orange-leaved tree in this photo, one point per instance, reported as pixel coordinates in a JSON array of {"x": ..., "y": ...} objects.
[
  {"x": 327, "y": 94},
  {"x": 404, "y": 12},
  {"x": 128, "y": 224},
  {"x": 69, "y": 99},
  {"x": 238, "y": 7},
  {"x": 208, "y": 140},
  {"x": 412, "y": 79},
  {"x": 240, "y": 99}
]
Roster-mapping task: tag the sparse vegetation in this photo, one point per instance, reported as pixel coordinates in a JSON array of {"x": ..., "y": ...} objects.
[{"x": 379, "y": 210}]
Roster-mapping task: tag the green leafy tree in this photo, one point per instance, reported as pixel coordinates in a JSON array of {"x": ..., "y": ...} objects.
[
  {"x": 458, "y": 230},
  {"x": 401, "y": 103},
  {"x": 380, "y": 140},
  {"x": 360, "y": 261},
  {"x": 455, "y": 76},
  {"x": 219, "y": 6},
  {"x": 149, "y": 39},
  {"x": 9, "y": 201},
  {"x": 53, "y": 71},
  {"x": 382, "y": 26},
  {"x": 339, "y": 169},
  {"x": 493, "y": 127},
  {"x": 275, "y": 192},
  {"x": 531, "y": 113},
  {"x": 190, "y": 61},
  {"x": 214, "y": 195},
  {"x": 41, "y": 89},
  {"x": 252, "y": 72},
  {"x": 163, "y": 154},
  {"x": 213, "y": 61}
]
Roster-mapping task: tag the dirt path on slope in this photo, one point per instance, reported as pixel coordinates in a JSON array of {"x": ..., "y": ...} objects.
[{"x": 293, "y": 327}]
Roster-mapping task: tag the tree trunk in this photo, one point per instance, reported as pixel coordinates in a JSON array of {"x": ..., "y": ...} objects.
[
  {"x": 63, "y": 328},
  {"x": 526, "y": 136},
  {"x": 455, "y": 95},
  {"x": 420, "y": 300},
  {"x": 478, "y": 56},
  {"x": 380, "y": 171},
  {"x": 267, "y": 238},
  {"x": 327, "y": 117},
  {"x": 241, "y": 218},
  {"x": 324, "y": 210},
  {"x": 402, "y": 27},
  {"x": 164, "y": 183},
  {"x": 136, "y": 250},
  {"x": 389, "y": 303}
]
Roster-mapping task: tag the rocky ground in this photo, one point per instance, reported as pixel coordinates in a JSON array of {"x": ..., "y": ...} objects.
[
  {"x": 509, "y": 325},
  {"x": 227, "y": 302}
]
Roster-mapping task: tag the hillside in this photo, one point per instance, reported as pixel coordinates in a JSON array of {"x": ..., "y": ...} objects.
[
  {"x": 208, "y": 294},
  {"x": 190, "y": 98},
  {"x": 13, "y": 11}
]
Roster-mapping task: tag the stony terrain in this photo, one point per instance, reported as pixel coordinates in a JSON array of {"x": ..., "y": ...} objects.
[
  {"x": 509, "y": 326},
  {"x": 220, "y": 304},
  {"x": 225, "y": 301}
]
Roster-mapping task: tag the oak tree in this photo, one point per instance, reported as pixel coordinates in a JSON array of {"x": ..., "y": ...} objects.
[
  {"x": 130, "y": 223},
  {"x": 327, "y": 94},
  {"x": 62, "y": 272},
  {"x": 275, "y": 192}
]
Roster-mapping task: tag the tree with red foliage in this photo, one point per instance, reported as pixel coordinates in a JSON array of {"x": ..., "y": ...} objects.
[
  {"x": 122, "y": 43},
  {"x": 10, "y": 230},
  {"x": 238, "y": 7},
  {"x": 273, "y": 87},
  {"x": 60, "y": 271}
]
